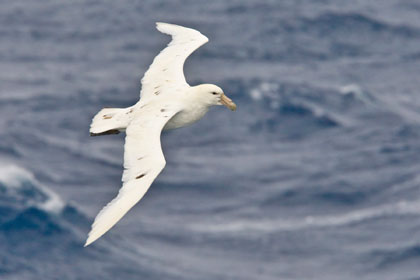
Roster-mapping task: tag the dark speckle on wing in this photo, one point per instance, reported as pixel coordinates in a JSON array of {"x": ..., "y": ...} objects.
[{"x": 141, "y": 176}]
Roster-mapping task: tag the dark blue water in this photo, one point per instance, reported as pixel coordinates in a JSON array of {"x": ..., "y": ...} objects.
[{"x": 316, "y": 176}]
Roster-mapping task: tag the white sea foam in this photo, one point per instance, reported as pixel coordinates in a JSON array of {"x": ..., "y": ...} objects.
[
  {"x": 256, "y": 94},
  {"x": 351, "y": 89},
  {"x": 14, "y": 177},
  {"x": 265, "y": 90},
  {"x": 357, "y": 92},
  {"x": 269, "y": 225}
]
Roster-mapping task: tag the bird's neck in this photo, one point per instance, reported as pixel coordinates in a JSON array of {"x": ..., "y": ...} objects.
[{"x": 195, "y": 98}]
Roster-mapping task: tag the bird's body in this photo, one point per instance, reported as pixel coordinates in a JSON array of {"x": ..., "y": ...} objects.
[
  {"x": 191, "y": 112},
  {"x": 167, "y": 102},
  {"x": 187, "y": 117}
]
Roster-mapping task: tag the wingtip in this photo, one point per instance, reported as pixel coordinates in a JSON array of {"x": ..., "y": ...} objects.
[
  {"x": 164, "y": 23},
  {"x": 89, "y": 241},
  {"x": 160, "y": 24},
  {"x": 170, "y": 29}
]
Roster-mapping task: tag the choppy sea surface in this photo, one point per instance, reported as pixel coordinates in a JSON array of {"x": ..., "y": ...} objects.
[{"x": 316, "y": 176}]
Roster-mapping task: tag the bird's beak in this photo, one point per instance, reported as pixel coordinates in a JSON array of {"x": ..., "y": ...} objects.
[{"x": 227, "y": 102}]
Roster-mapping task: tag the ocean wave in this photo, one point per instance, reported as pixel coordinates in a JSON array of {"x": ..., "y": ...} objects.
[
  {"x": 394, "y": 256},
  {"x": 18, "y": 184},
  {"x": 326, "y": 36},
  {"x": 331, "y": 73},
  {"x": 29, "y": 208},
  {"x": 355, "y": 23},
  {"x": 286, "y": 101},
  {"x": 37, "y": 225},
  {"x": 307, "y": 107},
  {"x": 403, "y": 207}
]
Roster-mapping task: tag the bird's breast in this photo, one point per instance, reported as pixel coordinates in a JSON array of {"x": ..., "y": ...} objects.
[{"x": 186, "y": 117}]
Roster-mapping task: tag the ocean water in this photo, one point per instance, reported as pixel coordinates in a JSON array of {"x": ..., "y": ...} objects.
[{"x": 316, "y": 176}]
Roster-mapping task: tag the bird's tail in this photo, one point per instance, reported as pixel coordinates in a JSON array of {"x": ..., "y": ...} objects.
[{"x": 110, "y": 121}]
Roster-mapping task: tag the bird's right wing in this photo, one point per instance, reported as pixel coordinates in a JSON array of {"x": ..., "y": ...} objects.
[
  {"x": 143, "y": 161},
  {"x": 166, "y": 73}
]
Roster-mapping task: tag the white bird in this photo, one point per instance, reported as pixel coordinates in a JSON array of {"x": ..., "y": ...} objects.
[{"x": 166, "y": 102}]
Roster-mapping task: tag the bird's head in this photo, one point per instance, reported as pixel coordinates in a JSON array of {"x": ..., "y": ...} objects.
[{"x": 213, "y": 95}]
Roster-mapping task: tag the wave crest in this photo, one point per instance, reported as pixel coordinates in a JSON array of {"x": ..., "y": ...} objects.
[{"x": 20, "y": 185}]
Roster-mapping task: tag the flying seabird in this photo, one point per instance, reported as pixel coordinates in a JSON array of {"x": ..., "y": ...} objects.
[{"x": 167, "y": 101}]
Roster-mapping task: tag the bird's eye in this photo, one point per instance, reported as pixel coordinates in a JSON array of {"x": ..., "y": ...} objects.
[{"x": 214, "y": 93}]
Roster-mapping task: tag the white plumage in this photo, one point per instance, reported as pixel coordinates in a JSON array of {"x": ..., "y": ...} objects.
[
  {"x": 166, "y": 102},
  {"x": 166, "y": 72}
]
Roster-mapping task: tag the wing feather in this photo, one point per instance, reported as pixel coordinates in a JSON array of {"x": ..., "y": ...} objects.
[
  {"x": 143, "y": 161},
  {"x": 166, "y": 73}
]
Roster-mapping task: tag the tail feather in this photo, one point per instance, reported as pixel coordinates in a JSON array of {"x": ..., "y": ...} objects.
[
  {"x": 110, "y": 121},
  {"x": 108, "y": 132}
]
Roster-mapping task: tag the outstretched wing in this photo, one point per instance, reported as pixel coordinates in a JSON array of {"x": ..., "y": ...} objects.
[
  {"x": 143, "y": 161},
  {"x": 166, "y": 71}
]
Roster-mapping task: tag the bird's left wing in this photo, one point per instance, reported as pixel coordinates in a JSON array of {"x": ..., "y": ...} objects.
[
  {"x": 143, "y": 161},
  {"x": 166, "y": 72}
]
